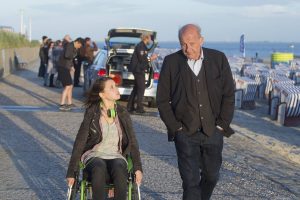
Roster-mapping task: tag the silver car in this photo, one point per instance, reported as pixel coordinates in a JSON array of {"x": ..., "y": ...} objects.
[{"x": 114, "y": 60}]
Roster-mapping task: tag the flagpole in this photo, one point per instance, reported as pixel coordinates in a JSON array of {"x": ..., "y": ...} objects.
[{"x": 244, "y": 47}]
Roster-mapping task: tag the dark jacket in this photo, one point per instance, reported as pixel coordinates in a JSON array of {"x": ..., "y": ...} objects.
[
  {"x": 171, "y": 90},
  {"x": 87, "y": 53},
  {"x": 57, "y": 52},
  {"x": 139, "y": 60},
  {"x": 43, "y": 53},
  {"x": 90, "y": 134},
  {"x": 66, "y": 59}
]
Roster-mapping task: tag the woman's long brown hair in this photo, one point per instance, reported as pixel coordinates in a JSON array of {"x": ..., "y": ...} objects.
[{"x": 92, "y": 96}]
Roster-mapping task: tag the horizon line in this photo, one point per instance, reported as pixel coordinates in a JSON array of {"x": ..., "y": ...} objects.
[{"x": 252, "y": 41}]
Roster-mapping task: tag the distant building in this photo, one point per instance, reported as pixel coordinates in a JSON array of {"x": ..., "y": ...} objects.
[{"x": 7, "y": 28}]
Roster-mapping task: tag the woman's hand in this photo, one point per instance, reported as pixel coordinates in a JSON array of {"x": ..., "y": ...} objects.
[
  {"x": 138, "y": 177},
  {"x": 70, "y": 181}
]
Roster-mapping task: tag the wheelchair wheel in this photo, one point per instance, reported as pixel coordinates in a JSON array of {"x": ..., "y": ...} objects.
[
  {"x": 132, "y": 191},
  {"x": 135, "y": 194}
]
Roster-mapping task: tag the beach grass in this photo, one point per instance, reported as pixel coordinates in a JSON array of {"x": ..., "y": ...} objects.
[{"x": 15, "y": 40}]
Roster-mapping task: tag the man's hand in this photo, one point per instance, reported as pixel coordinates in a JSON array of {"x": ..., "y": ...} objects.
[
  {"x": 153, "y": 57},
  {"x": 180, "y": 129},
  {"x": 72, "y": 70},
  {"x": 220, "y": 128}
]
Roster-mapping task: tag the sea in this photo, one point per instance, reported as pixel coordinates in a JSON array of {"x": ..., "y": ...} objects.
[{"x": 262, "y": 50}]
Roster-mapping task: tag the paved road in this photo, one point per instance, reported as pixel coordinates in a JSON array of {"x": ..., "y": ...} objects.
[{"x": 36, "y": 140}]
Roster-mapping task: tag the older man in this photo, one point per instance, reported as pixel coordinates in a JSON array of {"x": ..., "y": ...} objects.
[{"x": 195, "y": 98}]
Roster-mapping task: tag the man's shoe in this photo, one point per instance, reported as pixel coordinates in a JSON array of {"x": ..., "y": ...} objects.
[
  {"x": 140, "y": 111},
  {"x": 130, "y": 110}
]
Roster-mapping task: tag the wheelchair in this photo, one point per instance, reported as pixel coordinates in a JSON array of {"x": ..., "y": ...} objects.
[{"x": 82, "y": 188}]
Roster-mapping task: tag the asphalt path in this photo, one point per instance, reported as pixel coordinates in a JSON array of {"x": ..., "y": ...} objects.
[{"x": 36, "y": 141}]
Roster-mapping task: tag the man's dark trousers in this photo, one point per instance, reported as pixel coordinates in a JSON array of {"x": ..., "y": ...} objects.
[
  {"x": 138, "y": 91},
  {"x": 77, "y": 67},
  {"x": 199, "y": 152}
]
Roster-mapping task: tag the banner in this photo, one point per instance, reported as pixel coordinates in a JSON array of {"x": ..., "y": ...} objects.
[{"x": 242, "y": 44}]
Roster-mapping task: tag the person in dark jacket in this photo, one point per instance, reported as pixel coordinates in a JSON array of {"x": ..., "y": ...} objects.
[
  {"x": 104, "y": 140},
  {"x": 195, "y": 99},
  {"x": 85, "y": 53},
  {"x": 57, "y": 52},
  {"x": 42, "y": 68},
  {"x": 65, "y": 68},
  {"x": 138, "y": 65}
]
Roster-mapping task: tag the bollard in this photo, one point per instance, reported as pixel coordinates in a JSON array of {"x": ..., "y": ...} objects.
[
  {"x": 238, "y": 98},
  {"x": 281, "y": 113},
  {"x": 273, "y": 107}
]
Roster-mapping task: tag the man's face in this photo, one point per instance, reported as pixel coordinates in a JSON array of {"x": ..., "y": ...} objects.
[
  {"x": 77, "y": 45},
  {"x": 45, "y": 40},
  {"x": 148, "y": 40},
  {"x": 191, "y": 43},
  {"x": 88, "y": 42}
]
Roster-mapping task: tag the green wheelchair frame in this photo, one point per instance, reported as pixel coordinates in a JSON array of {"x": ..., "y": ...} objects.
[{"x": 84, "y": 187}]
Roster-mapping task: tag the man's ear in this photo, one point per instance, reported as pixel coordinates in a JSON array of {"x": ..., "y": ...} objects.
[{"x": 201, "y": 40}]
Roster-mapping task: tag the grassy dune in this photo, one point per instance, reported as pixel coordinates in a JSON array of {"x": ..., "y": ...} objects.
[{"x": 15, "y": 40}]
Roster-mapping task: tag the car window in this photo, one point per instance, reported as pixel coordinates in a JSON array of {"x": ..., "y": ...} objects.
[
  {"x": 101, "y": 59},
  {"x": 96, "y": 58},
  {"x": 123, "y": 42}
]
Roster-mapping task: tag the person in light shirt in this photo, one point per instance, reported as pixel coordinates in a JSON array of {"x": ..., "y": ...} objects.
[{"x": 195, "y": 99}]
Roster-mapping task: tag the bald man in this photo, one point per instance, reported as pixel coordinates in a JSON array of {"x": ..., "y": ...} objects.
[{"x": 195, "y": 98}]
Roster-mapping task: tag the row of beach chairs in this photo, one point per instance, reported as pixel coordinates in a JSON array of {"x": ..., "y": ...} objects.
[{"x": 279, "y": 86}]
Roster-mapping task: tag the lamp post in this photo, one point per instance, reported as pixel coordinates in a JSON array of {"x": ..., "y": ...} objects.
[{"x": 21, "y": 22}]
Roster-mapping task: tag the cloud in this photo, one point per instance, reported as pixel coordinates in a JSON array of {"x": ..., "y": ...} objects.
[
  {"x": 88, "y": 6},
  {"x": 239, "y": 3},
  {"x": 267, "y": 11},
  {"x": 264, "y": 11}
]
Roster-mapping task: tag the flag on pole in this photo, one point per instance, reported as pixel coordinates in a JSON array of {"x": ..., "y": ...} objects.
[{"x": 242, "y": 44}]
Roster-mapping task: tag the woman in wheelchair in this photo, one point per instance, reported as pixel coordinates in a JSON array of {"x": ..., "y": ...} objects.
[{"x": 104, "y": 139}]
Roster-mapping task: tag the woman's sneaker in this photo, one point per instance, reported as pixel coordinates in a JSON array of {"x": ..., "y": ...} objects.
[
  {"x": 64, "y": 107},
  {"x": 71, "y": 105}
]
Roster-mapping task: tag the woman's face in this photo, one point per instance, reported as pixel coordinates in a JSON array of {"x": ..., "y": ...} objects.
[{"x": 110, "y": 92}]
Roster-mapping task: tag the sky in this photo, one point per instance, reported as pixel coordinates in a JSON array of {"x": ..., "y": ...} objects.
[{"x": 220, "y": 20}]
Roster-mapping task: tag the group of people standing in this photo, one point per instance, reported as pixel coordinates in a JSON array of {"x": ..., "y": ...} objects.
[
  {"x": 49, "y": 54},
  {"x": 64, "y": 58}
]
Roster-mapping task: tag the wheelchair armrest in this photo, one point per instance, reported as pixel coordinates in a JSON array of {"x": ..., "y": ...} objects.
[{"x": 129, "y": 164}]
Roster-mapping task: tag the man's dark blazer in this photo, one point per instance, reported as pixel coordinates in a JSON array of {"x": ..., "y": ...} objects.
[
  {"x": 66, "y": 59},
  {"x": 139, "y": 60},
  {"x": 171, "y": 90}
]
